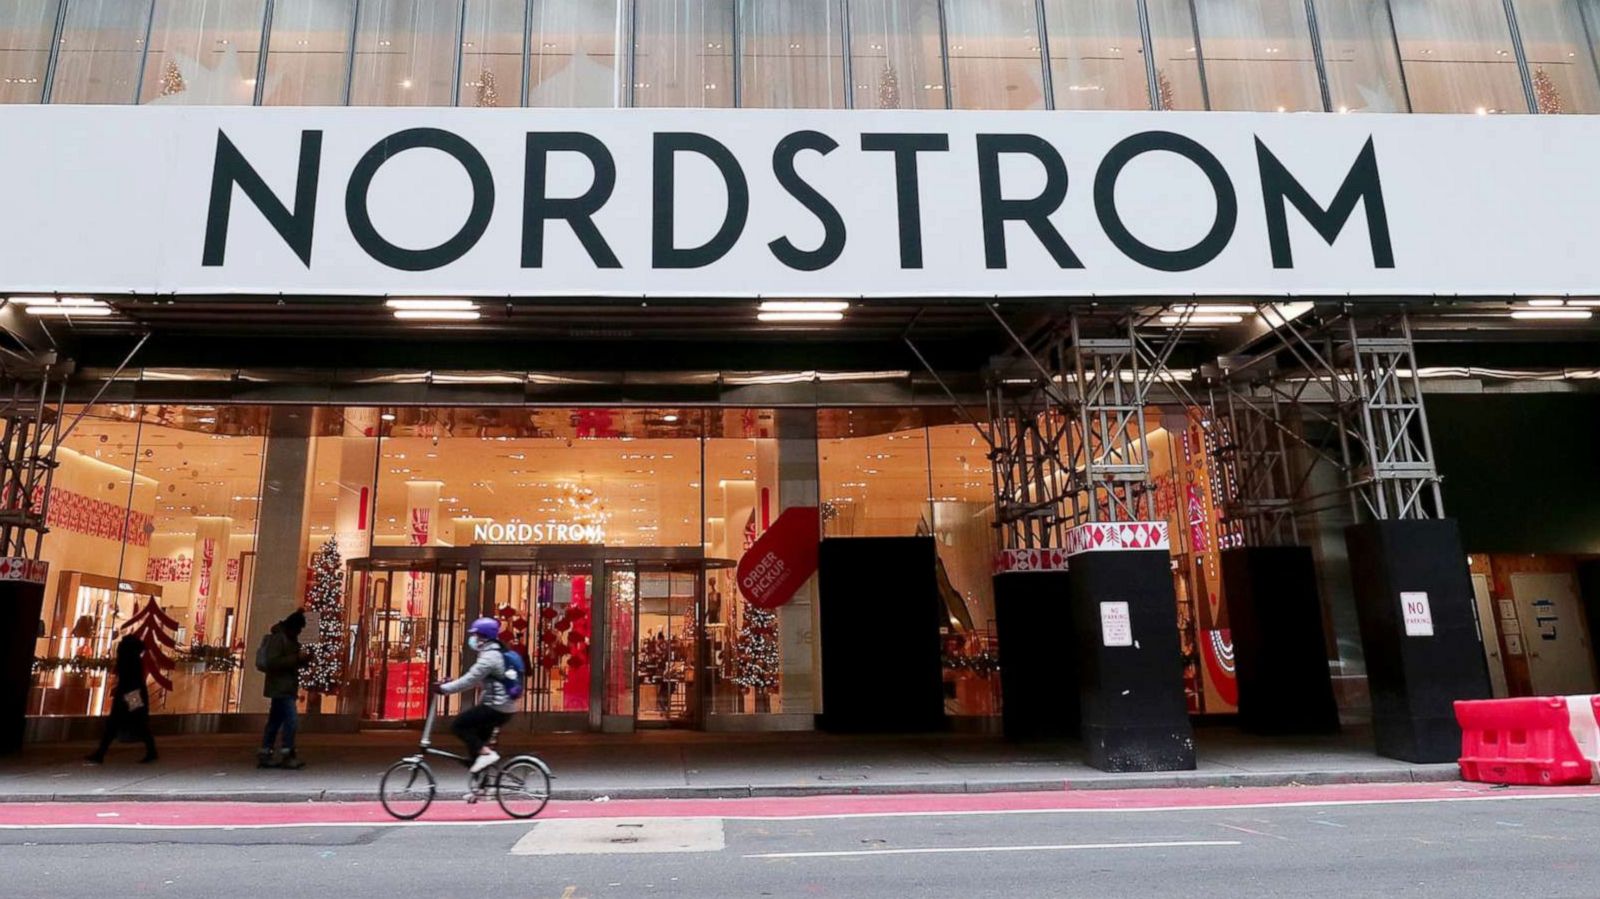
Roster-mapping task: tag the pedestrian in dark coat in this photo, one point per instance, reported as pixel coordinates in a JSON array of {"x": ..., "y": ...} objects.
[
  {"x": 284, "y": 659},
  {"x": 130, "y": 703}
]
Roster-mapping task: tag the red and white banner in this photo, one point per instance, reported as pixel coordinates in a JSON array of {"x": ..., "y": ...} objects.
[
  {"x": 1113, "y": 536},
  {"x": 1030, "y": 560}
]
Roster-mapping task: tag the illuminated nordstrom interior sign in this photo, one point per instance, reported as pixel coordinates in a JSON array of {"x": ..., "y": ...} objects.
[{"x": 537, "y": 532}]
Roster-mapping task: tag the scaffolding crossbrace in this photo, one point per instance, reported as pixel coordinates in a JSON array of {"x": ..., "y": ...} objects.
[
  {"x": 30, "y": 434},
  {"x": 1067, "y": 430},
  {"x": 1355, "y": 377}
]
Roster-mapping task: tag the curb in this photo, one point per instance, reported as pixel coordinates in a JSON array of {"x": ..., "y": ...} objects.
[{"x": 1416, "y": 774}]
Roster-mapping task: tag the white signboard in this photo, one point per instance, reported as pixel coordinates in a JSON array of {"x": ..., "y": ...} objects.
[
  {"x": 746, "y": 203},
  {"x": 1418, "y": 616},
  {"x": 526, "y": 533},
  {"x": 1116, "y": 626}
]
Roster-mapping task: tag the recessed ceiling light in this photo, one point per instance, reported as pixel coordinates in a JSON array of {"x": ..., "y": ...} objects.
[
  {"x": 803, "y": 306},
  {"x": 796, "y": 317},
  {"x": 1553, "y": 314}
]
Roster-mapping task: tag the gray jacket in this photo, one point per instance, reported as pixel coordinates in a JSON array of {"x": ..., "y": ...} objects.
[{"x": 488, "y": 671}]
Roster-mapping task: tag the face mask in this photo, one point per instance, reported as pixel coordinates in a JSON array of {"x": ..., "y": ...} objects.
[{"x": 473, "y": 643}]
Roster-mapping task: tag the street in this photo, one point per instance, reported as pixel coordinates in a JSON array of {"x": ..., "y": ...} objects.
[{"x": 1402, "y": 840}]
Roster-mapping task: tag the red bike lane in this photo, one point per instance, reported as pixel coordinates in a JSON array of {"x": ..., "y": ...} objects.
[{"x": 145, "y": 814}]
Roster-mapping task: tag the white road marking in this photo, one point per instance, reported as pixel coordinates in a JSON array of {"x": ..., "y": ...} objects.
[
  {"x": 1058, "y": 847},
  {"x": 621, "y": 836}
]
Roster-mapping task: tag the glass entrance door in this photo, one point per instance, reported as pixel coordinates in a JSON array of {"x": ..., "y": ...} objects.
[
  {"x": 545, "y": 614},
  {"x": 655, "y": 650},
  {"x": 409, "y": 636}
]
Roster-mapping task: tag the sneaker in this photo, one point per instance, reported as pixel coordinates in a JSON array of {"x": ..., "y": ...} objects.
[
  {"x": 290, "y": 761},
  {"x": 264, "y": 759},
  {"x": 484, "y": 760},
  {"x": 95, "y": 758}
]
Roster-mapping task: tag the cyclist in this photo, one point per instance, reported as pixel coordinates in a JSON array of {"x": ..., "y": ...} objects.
[{"x": 476, "y": 725}]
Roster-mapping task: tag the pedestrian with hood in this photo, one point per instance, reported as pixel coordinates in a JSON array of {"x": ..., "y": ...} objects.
[
  {"x": 280, "y": 657},
  {"x": 130, "y": 703}
]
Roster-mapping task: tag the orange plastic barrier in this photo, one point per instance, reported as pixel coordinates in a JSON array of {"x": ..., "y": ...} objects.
[{"x": 1528, "y": 741}]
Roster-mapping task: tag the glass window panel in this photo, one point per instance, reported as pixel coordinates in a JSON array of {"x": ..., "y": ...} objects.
[
  {"x": 894, "y": 47},
  {"x": 405, "y": 53},
  {"x": 573, "y": 61},
  {"x": 1096, "y": 55},
  {"x": 308, "y": 58},
  {"x": 793, "y": 54},
  {"x": 875, "y": 485},
  {"x": 684, "y": 53},
  {"x": 1458, "y": 56},
  {"x": 491, "y": 53},
  {"x": 1362, "y": 60},
  {"x": 101, "y": 45},
  {"x": 1258, "y": 55},
  {"x": 995, "y": 60},
  {"x": 151, "y": 503},
  {"x": 1556, "y": 42},
  {"x": 203, "y": 52},
  {"x": 26, "y": 29},
  {"x": 1177, "y": 55},
  {"x": 962, "y": 509}
]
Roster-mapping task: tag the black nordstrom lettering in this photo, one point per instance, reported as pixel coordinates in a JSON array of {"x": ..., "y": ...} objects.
[
  {"x": 360, "y": 218},
  {"x": 1361, "y": 185},
  {"x": 833, "y": 227},
  {"x": 905, "y": 148},
  {"x": 664, "y": 252},
  {"x": 1105, "y": 202},
  {"x": 578, "y": 212},
  {"x": 231, "y": 168},
  {"x": 1036, "y": 212}
]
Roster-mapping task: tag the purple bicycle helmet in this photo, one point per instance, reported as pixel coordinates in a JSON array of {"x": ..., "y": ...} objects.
[{"x": 487, "y": 628}]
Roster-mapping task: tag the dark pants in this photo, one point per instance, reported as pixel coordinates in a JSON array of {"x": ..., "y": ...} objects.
[
  {"x": 135, "y": 725},
  {"x": 284, "y": 715},
  {"x": 476, "y": 725}
]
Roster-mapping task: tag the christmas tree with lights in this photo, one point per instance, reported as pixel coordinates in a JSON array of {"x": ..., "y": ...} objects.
[
  {"x": 323, "y": 673},
  {"x": 1545, "y": 93},
  {"x": 889, "y": 88},
  {"x": 172, "y": 80},
  {"x": 488, "y": 91},
  {"x": 756, "y": 651},
  {"x": 1164, "y": 85}
]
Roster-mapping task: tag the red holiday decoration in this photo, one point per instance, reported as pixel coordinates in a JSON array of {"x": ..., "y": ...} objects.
[{"x": 155, "y": 629}]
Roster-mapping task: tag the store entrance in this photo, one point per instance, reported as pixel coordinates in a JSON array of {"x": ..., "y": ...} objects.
[{"x": 611, "y": 636}]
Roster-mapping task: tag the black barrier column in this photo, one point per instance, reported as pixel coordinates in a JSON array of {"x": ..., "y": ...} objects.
[
  {"x": 1269, "y": 578},
  {"x": 1413, "y": 592},
  {"x": 1124, "y": 608}
]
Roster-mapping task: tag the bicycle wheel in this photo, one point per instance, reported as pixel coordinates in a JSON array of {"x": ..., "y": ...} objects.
[
  {"x": 407, "y": 789},
  {"x": 523, "y": 787}
]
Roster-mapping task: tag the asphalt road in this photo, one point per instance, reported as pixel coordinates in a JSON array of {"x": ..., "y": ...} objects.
[{"x": 1500, "y": 847}]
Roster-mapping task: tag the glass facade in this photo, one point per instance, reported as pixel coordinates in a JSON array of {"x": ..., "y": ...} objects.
[
  {"x": 1463, "y": 56},
  {"x": 641, "y": 516}
]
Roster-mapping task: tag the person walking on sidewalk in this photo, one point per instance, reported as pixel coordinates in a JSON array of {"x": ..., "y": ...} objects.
[
  {"x": 281, "y": 657},
  {"x": 130, "y": 703}
]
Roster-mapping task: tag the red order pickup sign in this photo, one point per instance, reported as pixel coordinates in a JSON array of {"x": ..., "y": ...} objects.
[{"x": 783, "y": 559}]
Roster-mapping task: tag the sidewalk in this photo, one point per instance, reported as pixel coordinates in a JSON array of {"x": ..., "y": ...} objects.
[{"x": 662, "y": 764}]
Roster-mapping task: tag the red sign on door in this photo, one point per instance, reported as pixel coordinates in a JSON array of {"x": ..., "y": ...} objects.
[{"x": 783, "y": 559}]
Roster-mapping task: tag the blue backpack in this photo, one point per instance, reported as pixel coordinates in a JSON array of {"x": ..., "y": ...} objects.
[{"x": 516, "y": 673}]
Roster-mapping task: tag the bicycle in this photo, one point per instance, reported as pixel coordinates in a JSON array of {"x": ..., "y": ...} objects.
[{"x": 521, "y": 784}]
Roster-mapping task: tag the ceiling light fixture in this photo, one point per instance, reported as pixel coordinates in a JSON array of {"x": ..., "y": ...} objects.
[
  {"x": 1220, "y": 309},
  {"x": 1201, "y": 319},
  {"x": 803, "y": 306},
  {"x": 792, "y": 317},
  {"x": 430, "y": 304},
  {"x": 64, "y": 306},
  {"x": 1553, "y": 314},
  {"x": 437, "y": 315}
]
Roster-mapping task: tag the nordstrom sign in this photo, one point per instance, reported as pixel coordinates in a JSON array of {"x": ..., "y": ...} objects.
[{"x": 537, "y": 532}]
